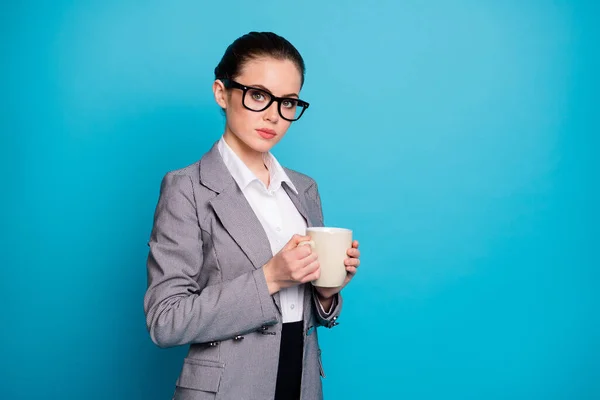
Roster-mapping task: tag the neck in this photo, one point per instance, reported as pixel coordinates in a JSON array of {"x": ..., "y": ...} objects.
[{"x": 253, "y": 159}]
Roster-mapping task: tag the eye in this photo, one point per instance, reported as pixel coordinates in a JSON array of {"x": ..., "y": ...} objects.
[
  {"x": 257, "y": 95},
  {"x": 289, "y": 103}
]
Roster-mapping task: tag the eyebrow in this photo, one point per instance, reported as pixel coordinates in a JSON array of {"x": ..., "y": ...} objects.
[{"x": 267, "y": 90}]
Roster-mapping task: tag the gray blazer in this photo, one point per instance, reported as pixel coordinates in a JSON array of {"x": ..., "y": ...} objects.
[{"x": 206, "y": 287}]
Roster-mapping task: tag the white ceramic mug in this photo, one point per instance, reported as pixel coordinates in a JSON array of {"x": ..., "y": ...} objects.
[{"x": 331, "y": 246}]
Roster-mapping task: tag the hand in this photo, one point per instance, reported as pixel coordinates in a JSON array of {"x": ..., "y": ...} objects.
[
  {"x": 352, "y": 263},
  {"x": 292, "y": 266}
]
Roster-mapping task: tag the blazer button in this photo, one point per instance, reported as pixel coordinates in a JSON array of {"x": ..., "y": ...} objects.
[
  {"x": 213, "y": 344},
  {"x": 238, "y": 337}
]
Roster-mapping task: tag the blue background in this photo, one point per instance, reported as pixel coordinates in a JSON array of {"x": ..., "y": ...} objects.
[{"x": 458, "y": 140}]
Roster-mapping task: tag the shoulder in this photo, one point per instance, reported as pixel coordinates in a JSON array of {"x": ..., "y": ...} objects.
[
  {"x": 180, "y": 181},
  {"x": 192, "y": 171}
]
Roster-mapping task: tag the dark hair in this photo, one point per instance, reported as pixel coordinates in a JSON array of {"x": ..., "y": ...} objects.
[{"x": 254, "y": 45}]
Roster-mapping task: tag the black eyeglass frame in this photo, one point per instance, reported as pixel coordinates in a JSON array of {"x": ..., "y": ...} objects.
[{"x": 230, "y": 83}]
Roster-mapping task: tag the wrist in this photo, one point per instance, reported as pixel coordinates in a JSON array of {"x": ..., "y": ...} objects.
[{"x": 271, "y": 282}]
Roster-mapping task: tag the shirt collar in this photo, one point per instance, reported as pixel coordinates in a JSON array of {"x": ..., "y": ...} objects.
[{"x": 244, "y": 176}]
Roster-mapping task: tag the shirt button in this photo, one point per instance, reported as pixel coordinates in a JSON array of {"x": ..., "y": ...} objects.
[
  {"x": 292, "y": 306},
  {"x": 278, "y": 229}
]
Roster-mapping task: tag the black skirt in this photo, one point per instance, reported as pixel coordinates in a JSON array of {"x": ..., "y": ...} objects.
[{"x": 289, "y": 371}]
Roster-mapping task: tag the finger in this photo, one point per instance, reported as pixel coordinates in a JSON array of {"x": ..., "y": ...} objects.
[
  {"x": 304, "y": 268},
  {"x": 355, "y": 253},
  {"x": 355, "y": 244},
  {"x": 351, "y": 270},
  {"x": 295, "y": 241},
  {"x": 311, "y": 267},
  {"x": 352, "y": 262},
  {"x": 311, "y": 272},
  {"x": 305, "y": 254},
  {"x": 311, "y": 277}
]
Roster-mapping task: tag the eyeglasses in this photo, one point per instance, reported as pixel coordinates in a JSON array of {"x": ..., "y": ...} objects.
[{"x": 255, "y": 99}]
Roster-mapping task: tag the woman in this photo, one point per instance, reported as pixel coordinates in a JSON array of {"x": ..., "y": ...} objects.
[{"x": 225, "y": 272}]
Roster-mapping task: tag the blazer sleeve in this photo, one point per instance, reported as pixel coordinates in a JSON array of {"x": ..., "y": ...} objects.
[
  {"x": 178, "y": 311},
  {"x": 324, "y": 318}
]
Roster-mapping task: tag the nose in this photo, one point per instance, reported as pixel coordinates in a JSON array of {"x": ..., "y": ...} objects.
[{"x": 271, "y": 113}]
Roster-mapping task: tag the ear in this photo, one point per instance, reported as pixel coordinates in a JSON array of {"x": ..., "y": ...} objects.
[{"x": 220, "y": 93}]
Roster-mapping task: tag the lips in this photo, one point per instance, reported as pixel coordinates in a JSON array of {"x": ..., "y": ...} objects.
[{"x": 266, "y": 133}]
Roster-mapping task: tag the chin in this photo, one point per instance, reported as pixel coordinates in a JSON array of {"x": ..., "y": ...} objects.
[{"x": 261, "y": 145}]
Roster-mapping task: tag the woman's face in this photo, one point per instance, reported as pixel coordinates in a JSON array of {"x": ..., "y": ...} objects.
[{"x": 258, "y": 131}]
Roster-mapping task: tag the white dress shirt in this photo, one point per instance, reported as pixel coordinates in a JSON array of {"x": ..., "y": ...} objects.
[{"x": 277, "y": 214}]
